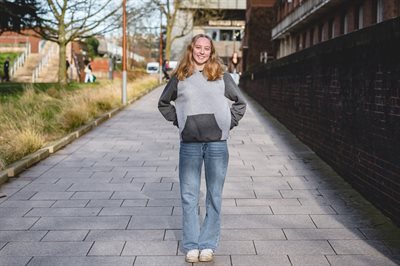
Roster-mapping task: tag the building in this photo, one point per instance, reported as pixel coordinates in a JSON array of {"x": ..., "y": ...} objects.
[
  {"x": 27, "y": 37},
  {"x": 260, "y": 19},
  {"x": 222, "y": 20},
  {"x": 304, "y": 23}
]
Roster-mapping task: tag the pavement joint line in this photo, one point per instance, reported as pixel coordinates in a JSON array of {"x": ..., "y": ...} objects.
[{"x": 24, "y": 163}]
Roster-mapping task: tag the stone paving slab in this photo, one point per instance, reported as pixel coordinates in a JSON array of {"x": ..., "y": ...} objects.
[
  {"x": 260, "y": 260},
  {"x": 82, "y": 261},
  {"x": 112, "y": 198},
  {"x": 66, "y": 235},
  {"x": 45, "y": 249},
  {"x": 14, "y": 261}
]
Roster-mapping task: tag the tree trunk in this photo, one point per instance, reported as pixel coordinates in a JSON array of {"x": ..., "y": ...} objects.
[
  {"x": 168, "y": 43},
  {"x": 62, "y": 66}
]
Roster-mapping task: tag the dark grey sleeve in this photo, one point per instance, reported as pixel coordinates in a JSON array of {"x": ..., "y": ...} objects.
[
  {"x": 164, "y": 103},
  {"x": 232, "y": 93}
]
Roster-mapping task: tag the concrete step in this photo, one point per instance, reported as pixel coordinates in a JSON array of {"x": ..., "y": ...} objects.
[
  {"x": 49, "y": 71},
  {"x": 24, "y": 74}
]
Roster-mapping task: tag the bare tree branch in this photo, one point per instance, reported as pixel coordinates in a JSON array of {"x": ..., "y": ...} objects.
[{"x": 68, "y": 20}]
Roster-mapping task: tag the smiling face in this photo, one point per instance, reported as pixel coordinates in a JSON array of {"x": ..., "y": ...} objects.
[{"x": 201, "y": 52}]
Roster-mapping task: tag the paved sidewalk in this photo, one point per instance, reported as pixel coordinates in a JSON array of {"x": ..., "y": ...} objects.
[{"x": 112, "y": 198}]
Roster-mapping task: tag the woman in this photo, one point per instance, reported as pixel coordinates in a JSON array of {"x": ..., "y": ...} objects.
[
  {"x": 88, "y": 72},
  {"x": 200, "y": 91}
]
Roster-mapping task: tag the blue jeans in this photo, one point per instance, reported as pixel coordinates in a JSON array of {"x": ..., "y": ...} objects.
[{"x": 191, "y": 157}]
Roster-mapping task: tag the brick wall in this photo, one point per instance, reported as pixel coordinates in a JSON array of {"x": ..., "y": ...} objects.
[
  {"x": 16, "y": 38},
  {"x": 258, "y": 35},
  {"x": 342, "y": 98}
]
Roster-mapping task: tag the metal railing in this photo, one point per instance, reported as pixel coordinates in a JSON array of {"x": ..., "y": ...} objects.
[
  {"x": 44, "y": 60},
  {"x": 20, "y": 60}
]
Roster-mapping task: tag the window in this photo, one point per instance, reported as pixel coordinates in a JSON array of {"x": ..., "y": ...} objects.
[
  {"x": 331, "y": 29},
  {"x": 237, "y": 35},
  {"x": 321, "y": 36},
  {"x": 379, "y": 11},
  {"x": 298, "y": 45},
  {"x": 225, "y": 35},
  {"x": 361, "y": 17},
  {"x": 303, "y": 40},
  {"x": 312, "y": 37},
  {"x": 374, "y": 11},
  {"x": 213, "y": 33},
  {"x": 358, "y": 17},
  {"x": 344, "y": 27}
]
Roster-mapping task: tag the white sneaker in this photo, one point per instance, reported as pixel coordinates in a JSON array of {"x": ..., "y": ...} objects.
[
  {"x": 206, "y": 255},
  {"x": 192, "y": 255}
]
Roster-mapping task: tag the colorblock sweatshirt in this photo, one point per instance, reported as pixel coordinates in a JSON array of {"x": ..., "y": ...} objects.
[{"x": 201, "y": 109}]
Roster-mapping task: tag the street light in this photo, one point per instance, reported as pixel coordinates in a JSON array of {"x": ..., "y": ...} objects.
[
  {"x": 124, "y": 94},
  {"x": 160, "y": 59}
]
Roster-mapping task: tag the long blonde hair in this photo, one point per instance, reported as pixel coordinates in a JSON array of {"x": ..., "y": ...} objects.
[{"x": 213, "y": 68}]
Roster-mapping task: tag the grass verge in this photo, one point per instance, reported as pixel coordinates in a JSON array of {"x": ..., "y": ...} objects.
[{"x": 34, "y": 117}]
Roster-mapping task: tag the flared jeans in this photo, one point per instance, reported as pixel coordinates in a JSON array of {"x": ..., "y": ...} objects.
[{"x": 215, "y": 157}]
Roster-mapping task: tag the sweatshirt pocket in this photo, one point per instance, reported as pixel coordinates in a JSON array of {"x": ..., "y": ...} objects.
[{"x": 201, "y": 127}]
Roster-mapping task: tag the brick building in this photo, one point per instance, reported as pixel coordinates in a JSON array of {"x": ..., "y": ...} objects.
[
  {"x": 24, "y": 38},
  {"x": 260, "y": 19},
  {"x": 304, "y": 23},
  {"x": 335, "y": 85}
]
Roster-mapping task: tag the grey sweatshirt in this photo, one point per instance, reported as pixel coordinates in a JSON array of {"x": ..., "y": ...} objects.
[{"x": 201, "y": 108}]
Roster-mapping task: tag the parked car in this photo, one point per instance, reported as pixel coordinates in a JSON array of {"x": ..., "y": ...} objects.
[{"x": 153, "y": 67}]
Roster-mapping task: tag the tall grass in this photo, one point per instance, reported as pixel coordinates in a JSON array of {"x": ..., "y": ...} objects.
[{"x": 30, "y": 121}]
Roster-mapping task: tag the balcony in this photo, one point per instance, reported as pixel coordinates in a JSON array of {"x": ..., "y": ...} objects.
[
  {"x": 303, "y": 13},
  {"x": 215, "y": 4}
]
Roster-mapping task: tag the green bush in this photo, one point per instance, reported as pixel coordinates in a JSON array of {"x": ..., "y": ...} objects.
[{"x": 3, "y": 57}]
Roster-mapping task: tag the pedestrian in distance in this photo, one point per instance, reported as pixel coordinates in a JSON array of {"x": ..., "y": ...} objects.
[
  {"x": 6, "y": 69},
  {"x": 67, "y": 65},
  {"x": 233, "y": 67},
  {"x": 89, "y": 77},
  {"x": 201, "y": 92},
  {"x": 165, "y": 69}
]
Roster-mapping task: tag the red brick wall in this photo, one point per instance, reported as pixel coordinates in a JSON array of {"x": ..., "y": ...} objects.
[
  {"x": 13, "y": 37},
  {"x": 100, "y": 64},
  {"x": 342, "y": 98}
]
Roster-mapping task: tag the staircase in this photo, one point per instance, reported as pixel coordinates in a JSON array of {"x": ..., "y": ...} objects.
[
  {"x": 49, "y": 66},
  {"x": 24, "y": 74},
  {"x": 49, "y": 73}
]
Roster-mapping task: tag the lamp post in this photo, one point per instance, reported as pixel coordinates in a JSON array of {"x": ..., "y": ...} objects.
[
  {"x": 124, "y": 93},
  {"x": 160, "y": 59}
]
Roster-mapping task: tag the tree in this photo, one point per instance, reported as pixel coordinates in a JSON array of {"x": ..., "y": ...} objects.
[
  {"x": 172, "y": 11},
  {"x": 69, "y": 20},
  {"x": 18, "y": 15},
  {"x": 92, "y": 45}
]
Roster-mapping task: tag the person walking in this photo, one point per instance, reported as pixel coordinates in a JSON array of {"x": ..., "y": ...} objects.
[
  {"x": 201, "y": 90},
  {"x": 6, "y": 69},
  {"x": 88, "y": 72},
  {"x": 67, "y": 65},
  {"x": 165, "y": 69}
]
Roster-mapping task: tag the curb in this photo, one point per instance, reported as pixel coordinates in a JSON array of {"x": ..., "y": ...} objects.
[
  {"x": 19, "y": 166},
  {"x": 3, "y": 177}
]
